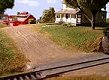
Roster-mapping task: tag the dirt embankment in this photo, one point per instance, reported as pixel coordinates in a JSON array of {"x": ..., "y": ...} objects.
[{"x": 39, "y": 49}]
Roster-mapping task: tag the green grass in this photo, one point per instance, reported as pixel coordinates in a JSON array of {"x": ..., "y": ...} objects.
[
  {"x": 11, "y": 60},
  {"x": 93, "y": 77},
  {"x": 82, "y": 38},
  {"x": 107, "y": 20}
]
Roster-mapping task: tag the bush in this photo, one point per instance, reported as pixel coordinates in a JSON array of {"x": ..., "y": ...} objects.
[
  {"x": 48, "y": 16},
  {"x": 33, "y": 22},
  {"x": 60, "y": 22},
  {"x": 106, "y": 32},
  {"x": 67, "y": 25}
]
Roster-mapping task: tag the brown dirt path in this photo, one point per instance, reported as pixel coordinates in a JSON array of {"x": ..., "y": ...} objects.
[{"x": 35, "y": 46}]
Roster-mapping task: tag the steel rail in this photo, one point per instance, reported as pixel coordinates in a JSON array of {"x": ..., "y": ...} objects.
[{"x": 46, "y": 72}]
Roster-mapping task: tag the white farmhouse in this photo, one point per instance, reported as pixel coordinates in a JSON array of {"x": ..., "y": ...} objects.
[{"x": 76, "y": 17}]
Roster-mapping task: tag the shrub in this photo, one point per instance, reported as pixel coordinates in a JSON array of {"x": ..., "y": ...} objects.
[{"x": 67, "y": 25}]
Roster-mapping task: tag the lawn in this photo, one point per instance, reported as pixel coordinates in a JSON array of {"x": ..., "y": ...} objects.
[
  {"x": 81, "y": 38},
  {"x": 11, "y": 60},
  {"x": 107, "y": 20}
]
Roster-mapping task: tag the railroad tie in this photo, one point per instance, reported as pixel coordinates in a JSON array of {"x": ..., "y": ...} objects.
[
  {"x": 15, "y": 79},
  {"x": 33, "y": 77},
  {"x": 27, "y": 78},
  {"x": 21, "y": 78},
  {"x": 49, "y": 70}
]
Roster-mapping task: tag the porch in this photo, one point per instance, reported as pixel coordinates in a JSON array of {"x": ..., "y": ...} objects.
[{"x": 68, "y": 17}]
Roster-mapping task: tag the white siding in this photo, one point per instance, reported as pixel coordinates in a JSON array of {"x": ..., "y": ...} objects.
[
  {"x": 73, "y": 20},
  {"x": 57, "y": 20},
  {"x": 64, "y": 6},
  {"x": 69, "y": 20},
  {"x": 21, "y": 19},
  {"x": 64, "y": 19}
]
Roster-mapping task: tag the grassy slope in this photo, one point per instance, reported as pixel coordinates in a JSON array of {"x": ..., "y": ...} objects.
[
  {"x": 82, "y": 38},
  {"x": 11, "y": 60}
]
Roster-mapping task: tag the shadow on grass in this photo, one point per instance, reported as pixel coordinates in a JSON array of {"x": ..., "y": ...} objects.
[{"x": 99, "y": 29}]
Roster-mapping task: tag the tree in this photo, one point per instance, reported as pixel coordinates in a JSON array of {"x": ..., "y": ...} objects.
[
  {"x": 48, "y": 16},
  {"x": 5, "y": 4},
  {"x": 94, "y": 6}
]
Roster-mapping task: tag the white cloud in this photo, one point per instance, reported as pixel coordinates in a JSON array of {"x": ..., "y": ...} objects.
[
  {"x": 52, "y": 1},
  {"x": 29, "y": 2}
]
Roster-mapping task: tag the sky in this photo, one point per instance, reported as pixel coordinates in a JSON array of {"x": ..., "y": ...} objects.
[{"x": 36, "y": 7}]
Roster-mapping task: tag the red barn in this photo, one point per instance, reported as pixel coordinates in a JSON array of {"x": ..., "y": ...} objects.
[{"x": 20, "y": 19}]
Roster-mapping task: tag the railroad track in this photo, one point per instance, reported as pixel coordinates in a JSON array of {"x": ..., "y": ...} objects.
[{"x": 56, "y": 68}]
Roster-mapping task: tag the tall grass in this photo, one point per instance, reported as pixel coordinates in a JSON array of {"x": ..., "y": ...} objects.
[{"x": 11, "y": 60}]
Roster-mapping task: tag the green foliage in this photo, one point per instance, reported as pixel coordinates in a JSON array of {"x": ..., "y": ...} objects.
[
  {"x": 106, "y": 32},
  {"x": 71, "y": 3},
  {"x": 48, "y": 16},
  {"x": 107, "y": 20},
  {"x": 39, "y": 20},
  {"x": 6, "y": 4},
  {"x": 94, "y": 6},
  {"x": 80, "y": 38},
  {"x": 11, "y": 60},
  {"x": 87, "y": 4},
  {"x": 67, "y": 25}
]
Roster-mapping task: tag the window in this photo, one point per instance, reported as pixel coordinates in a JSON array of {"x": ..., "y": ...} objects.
[
  {"x": 14, "y": 18},
  {"x": 79, "y": 15},
  {"x": 10, "y": 19},
  {"x": 78, "y": 20},
  {"x": 67, "y": 16},
  {"x": 58, "y": 16},
  {"x": 73, "y": 16}
]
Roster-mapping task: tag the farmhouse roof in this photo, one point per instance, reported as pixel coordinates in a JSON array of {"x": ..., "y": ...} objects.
[{"x": 67, "y": 11}]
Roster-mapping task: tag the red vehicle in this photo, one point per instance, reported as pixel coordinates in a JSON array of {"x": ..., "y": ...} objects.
[{"x": 19, "y": 19}]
